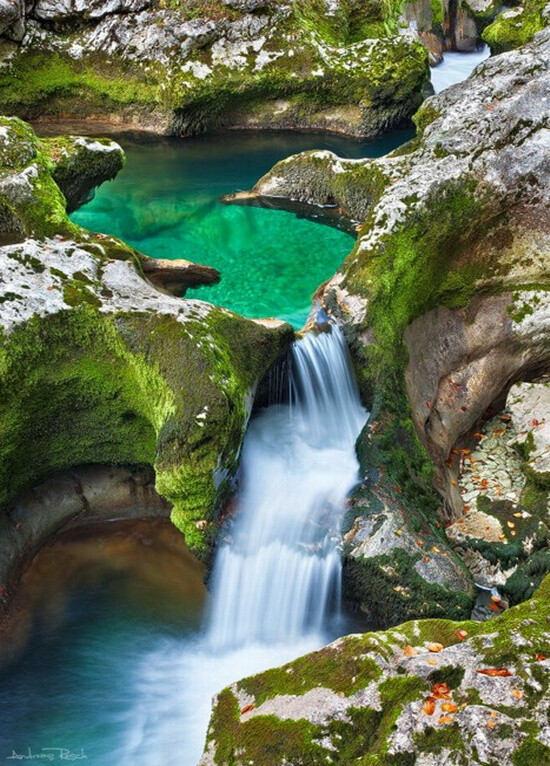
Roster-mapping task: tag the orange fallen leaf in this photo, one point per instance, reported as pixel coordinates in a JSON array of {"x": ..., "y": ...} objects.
[
  {"x": 426, "y": 560},
  {"x": 420, "y": 542},
  {"x": 398, "y": 531},
  {"x": 518, "y": 515},
  {"x": 511, "y": 524},
  {"x": 449, "y": 707},
  {"x": 429, "y": 706},
  {"x": 501, "y": 672},
  {"x": 539, "y": 657},
  {"x": 494, "y": 608},
  {"x": 441, "y": 691},
  {"x": 494, "y": 714},
  {"x": 501, "y": 537},
  {"x": 435, "y": 647},
  {"x": 432, "y": 662},
  {"x": 490, "y": 724},
  {"x": 409, "y": 651},
  {"x": 246, "y": 709},
  {"x": 496, "y": 599},
  {"x": 462, "y": 634},
  {"x": 445, "y": 719},
  {"x": 517, "y": 693},
  {"x": 435, "y": 549}
]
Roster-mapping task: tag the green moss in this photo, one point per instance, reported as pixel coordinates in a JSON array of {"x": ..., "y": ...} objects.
[
  {"x": 36, "y": 77},
  {"x": 511, "y": 640},
  {"x": 262, "y": 740},
  {"x": 80, "y": 387},
  {"x": 394, "y": 591},
  {"x": 352, "y": 671},
  {"x": 504, "y": 34},
  {"x": 427, "y": 114},
  {"x": 531, "y": 751}
]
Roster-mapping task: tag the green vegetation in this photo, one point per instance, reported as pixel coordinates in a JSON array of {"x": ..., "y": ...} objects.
[
  {"x": 512, "y": 31},
  {"x": 81, "y": 384},
  {"x": 517, "y": 639}
]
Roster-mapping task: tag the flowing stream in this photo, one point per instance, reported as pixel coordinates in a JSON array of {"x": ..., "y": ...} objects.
[
  {"x": 456, "y": 67},
  {"x": 276, "y": 578}
]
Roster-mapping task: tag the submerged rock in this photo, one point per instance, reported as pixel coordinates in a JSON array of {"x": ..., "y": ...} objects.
[{"x": 429, "y": 692}]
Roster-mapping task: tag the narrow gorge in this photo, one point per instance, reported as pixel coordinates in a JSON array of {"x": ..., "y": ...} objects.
[{"x": 275, "y": 382}]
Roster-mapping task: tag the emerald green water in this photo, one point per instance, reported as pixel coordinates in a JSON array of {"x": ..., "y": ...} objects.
[{"x": 166, "y": 204}]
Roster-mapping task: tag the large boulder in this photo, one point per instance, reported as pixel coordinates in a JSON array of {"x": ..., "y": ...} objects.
[
  {"x": 185, "y": 69},
  {"x": 445, "y": 297},
  {"x": 97, "y": 366},
  {"x": 430, "y": 693},
  {"x": 516, "y": 26}
]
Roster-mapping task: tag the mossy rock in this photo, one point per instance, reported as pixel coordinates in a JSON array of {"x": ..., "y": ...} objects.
[
  {"x": 366, "y": 699},
  {"x": 516, "y": 26},
  {"x": 96, "y": 365},
  {"x": 226, "y": 71}
]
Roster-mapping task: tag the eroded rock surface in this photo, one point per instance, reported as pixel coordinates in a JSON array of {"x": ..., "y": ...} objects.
[
  {"x": 430, "y": 692},
  {"x": 445, "y": 297},
  {"x": 100, "y": 367}
]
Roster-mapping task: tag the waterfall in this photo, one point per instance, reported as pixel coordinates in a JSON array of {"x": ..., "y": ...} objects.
[
  {"x": 276, "y": 579},
  {"x": 277, "y": 576},
  {"x": 456, "y": 67}
]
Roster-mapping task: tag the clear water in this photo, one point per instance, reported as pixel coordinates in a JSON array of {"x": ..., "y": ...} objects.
[
  {"x": 166, "y": 204},
  {"x": 456, "y": 67}
]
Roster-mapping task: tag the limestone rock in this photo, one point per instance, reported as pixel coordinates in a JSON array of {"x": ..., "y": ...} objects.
[
  {"x": 265, "y": 67},
  {"x": 386, "y": 698},
  {"x": 395, "y": 569},
  {"x": 445, "y": 297},
  {"x": 58, "y": 10},
  {"x": 176, "y": 276},
  {"x": 100, "y": 367},
  {"x": 529, "y": 405}
]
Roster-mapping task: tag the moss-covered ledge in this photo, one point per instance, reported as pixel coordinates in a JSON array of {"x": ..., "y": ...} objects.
[
  {"x": 419, "y": 693},
  {"x": 181, "y": 70},
  {"x": 97, "y": 366}
]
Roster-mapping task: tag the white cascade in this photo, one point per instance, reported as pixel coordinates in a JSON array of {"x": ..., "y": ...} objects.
[
  {"x": 278, "y": 575},
  {"x": 456, "y": 67},
  {"x": 276, "y": 579}
]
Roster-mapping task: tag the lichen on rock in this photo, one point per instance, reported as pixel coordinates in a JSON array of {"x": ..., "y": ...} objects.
[{"x": 427, "y": 692}]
